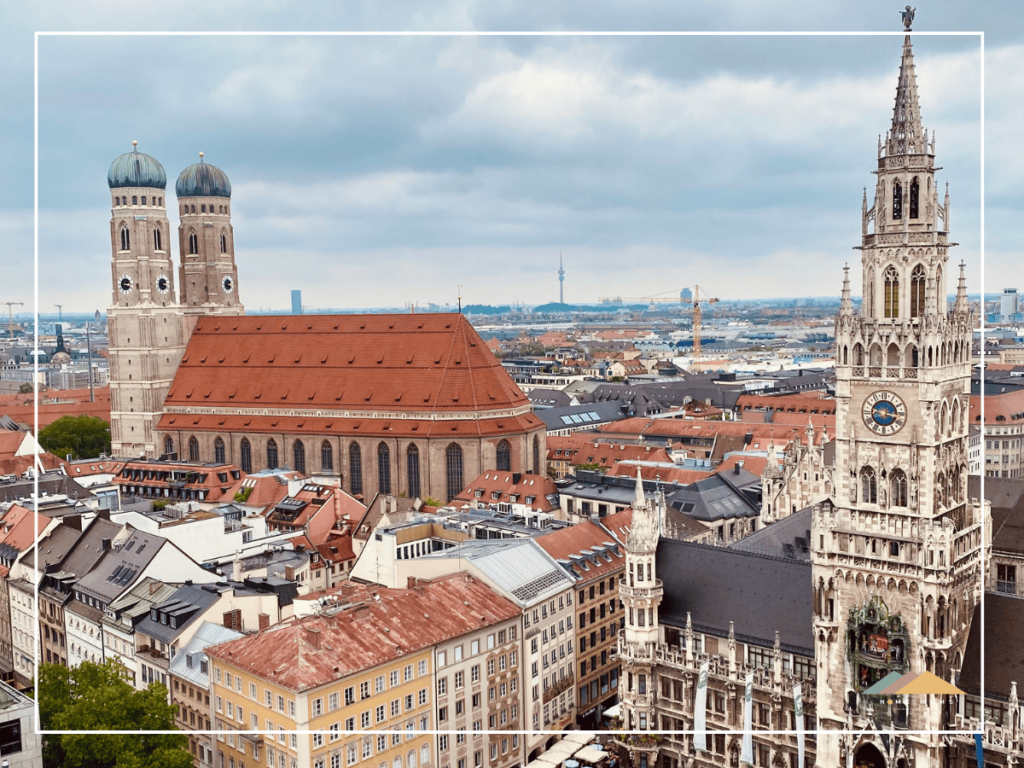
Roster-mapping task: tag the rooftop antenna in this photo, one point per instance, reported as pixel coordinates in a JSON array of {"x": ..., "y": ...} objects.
[{"x": 460, "y": 298}]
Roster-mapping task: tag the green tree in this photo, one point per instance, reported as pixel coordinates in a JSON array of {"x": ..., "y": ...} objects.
[
  {"x": 26, "y": 389},
  {"x": 84, "y": 437},
  {"x": 93, "y": 697}
]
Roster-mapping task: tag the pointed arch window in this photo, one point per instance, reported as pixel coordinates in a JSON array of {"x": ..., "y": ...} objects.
[
  {"x": 504, "y": 457},
  {"x": 453, "y": 460},
  {"x": 223, "y": 243},
  {"x": 245, "y": 453},
  {"x": 193, "y": 243},
  {"x": 897, "y": 200},
  {"x": 898, "y": 488},
  {"x": 355, "y": 462},
  {"x": 384, "y": 468},
  {"x": 193, "y": 449},
  {"x": 536, "y": 454},
  {"x": 158, "y": 241},
  {"x": 892, "y": 292},
  {"x": 271, "y": 454},
  {"x": 168, "y": 445},
  {"x": 326, "y": 457},
  {"x": 299, "y": 455},
  {"x": 219, "y": 454},
  {"x": 914, "y": 191},
  {"x": 412, "y": 461},
  {"x": 917, "y": 281},
  {"x": 868, "y": 486},
  {"x": 126, "y": 240}
]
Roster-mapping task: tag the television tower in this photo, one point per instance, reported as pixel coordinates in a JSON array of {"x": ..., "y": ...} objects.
[{"x": 561, "y": 280}]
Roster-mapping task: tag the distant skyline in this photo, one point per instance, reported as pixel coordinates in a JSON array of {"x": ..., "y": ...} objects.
[{"x": 386, "y": 170}]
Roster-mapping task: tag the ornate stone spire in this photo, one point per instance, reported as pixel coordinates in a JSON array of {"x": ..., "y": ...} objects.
[
  {"x": 846, "y": 305},
  {"x": 961, "y": 292},
  {"x": 907, "y": 136},
  {"x": 643, "y": 533}
]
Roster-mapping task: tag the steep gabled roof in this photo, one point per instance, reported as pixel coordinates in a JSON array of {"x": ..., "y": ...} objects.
[{"x": 364, "y": 363}]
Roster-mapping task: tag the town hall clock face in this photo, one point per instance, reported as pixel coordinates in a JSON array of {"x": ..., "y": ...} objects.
[
  {"x": 884, "y": 413},
  {"x": 125, "y": 284}
]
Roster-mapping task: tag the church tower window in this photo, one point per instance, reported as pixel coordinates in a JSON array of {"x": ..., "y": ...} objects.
[
  {"x": 271, "y": 454},
  {"x": 504, "y": 455},
  {"x": 246, "y": 456},
  {"x": 168, "y": 445},
  {"x": 898, "y": 488},
  {"x": 193, "y": 449},
  {"x": 223, "y": 243},
  {"x": 384, "y": 468},
  {"x": 125, "y": 239},
  {"x": 193, "y": 208},
  {"x": 326, "y": 457},
  {"x": 202, "y": 208},
  {"x": 157, "y": 240},
  {"x": 453, "y": 456},
  {"x": 868, "y": 486},
  {"x": 914, "y": 189},
  {"x": 143, "y": 199},
  {"x": 218, "y": 451},
  {"x": 412, "y": 457},
  {"x": 917, "y": 280},
  {"x": 299, "y": 455},
  {"x": 536, "y": 455},
  {"x": 355, "y": 461},
  {"x": 897, "y": 200},
  {"x": 135, "y": 200},
  {"x": 892, "y": 293},
  {"x": 193, "y": 243}
]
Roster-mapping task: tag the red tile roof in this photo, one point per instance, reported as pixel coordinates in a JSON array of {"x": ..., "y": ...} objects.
[
  {"x": 563, "y": 543},
  {"x": 753, "y": 464},
  {"x": 433, "y": 363},
  {"x": 795, "y": 403},
  {"x": 619, "y": 524},
  {"x": 17, "y": 528},
  {"x": 665, "y": 474},
  {"x": 371, "y": 427},
  {"x": 1006, "y": 408},
  {"x": 50, "y": 412},
  {"x": 497, "y": 487},
  {"x": 397, "y": 623},
  {"x": 217, "y": 481}
]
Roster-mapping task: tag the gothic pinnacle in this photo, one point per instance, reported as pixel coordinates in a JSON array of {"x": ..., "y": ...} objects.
[
  {"x": 846, "y": 306},
  {"x": 906, "y": 136}
]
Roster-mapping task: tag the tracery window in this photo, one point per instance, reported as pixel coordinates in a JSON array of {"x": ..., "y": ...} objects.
[
  {"x": 125, "y": 239},
  {"x": 168, "y": 445},
  {"x": 868, "y": 486},
  {"x": 299, "y": 455},
  {"x": 384, "y": 468},
  {"x": 412, "y": 459},
  {"x": 246, "y": 456},
  {"x": 453, "y": 456},
  {"x": 504, "y": 456},
  {"x": 271, "y": 454},
  {"x": 193, "y": 449},
  {"x": 892, "y": 292},
  {"x": 355, "y": 460},
  {"x": 218, "y": 451},
  {"x": 536, "y": 455},
  {"x": 897, "y": 200},
  {"x": 917, "y": 281},
  {"x": 898, "y": 488},
  {"x": 914, "y": 189},
  {"x": 193, "y": 243},
  {"x": 326, "y": 456},
  {"x": 223, "y": 243},
  {"x": 157, "y": 240}
]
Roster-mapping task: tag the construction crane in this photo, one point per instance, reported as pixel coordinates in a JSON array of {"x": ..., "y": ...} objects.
[
  {"x": 60, "y": 316},
  {"x": 696, "y": 324},
  {"x": 10, "y": 316}
]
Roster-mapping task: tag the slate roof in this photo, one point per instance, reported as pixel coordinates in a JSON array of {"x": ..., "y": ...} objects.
[
  {"x": 789, "y": 538},
  {"x": 425, "y": 363},
  {"x": 207, "y": 634},
  {"x": 82, "y": 556},
  {"x": 50, "y": 483},
  {"x": 718, "y": 497},
  {"x": 188, "y": 603},
  {"x": 1004, "y": 661},
  {"x": 1007, "y": 498},
  {"x": 716, "y": 585},
  {"x": 581, "y": 416},
  {"x": 119, "y": 569}
]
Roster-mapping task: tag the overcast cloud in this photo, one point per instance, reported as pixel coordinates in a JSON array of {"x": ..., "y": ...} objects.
[{"x": 375, "y": 171}]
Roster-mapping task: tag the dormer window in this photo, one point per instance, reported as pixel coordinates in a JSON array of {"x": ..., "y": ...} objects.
[
  {"x": 188, "y": 661},
  {"x": 153, "y": 615}
]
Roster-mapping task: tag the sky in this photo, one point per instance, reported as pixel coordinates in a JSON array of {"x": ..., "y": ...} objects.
[{"x": 384, "y": 170}]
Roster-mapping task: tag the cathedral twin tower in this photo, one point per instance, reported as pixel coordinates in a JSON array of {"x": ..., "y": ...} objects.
[{"x": 148, "y": 323}]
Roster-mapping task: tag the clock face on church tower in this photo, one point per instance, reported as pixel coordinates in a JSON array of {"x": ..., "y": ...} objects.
[{"x": 884, "y": 413}]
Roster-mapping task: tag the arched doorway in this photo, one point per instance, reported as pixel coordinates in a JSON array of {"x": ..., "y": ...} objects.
[{"x": 868, "y": 756}]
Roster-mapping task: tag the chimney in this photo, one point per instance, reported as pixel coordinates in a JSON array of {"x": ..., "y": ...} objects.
[
  {"x": 236, "y": 566},
  {"x": 154, "y": 586},
  {"x": 313, "y": 637},
  {"x": 736, "y": 468},
  {"x": 264, "y": 620}
]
